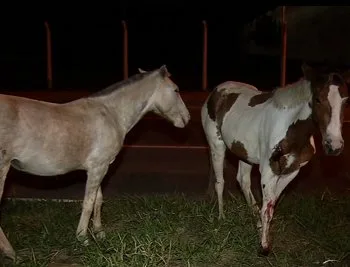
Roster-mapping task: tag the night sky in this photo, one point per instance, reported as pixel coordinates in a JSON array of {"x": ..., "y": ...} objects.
[{"x": 87, "y": 44}]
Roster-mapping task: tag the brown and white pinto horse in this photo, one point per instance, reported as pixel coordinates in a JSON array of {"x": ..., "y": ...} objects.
[{"x": 273, "y": 130}]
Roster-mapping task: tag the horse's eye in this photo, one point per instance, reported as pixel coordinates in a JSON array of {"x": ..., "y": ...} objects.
[
  {"x": 318, "y": 101},
  {"x": 177, "y": 90}
]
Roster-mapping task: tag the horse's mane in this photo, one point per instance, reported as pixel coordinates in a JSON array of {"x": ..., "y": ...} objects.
[
  {"x": 121, "y": 84},
  {"x": 292, "y": 94}
]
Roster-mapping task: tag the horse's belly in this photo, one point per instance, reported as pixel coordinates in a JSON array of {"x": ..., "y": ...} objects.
[
  {"x": 243, "y": 146},
  {"x": 42, "y": 167},
  {"x": 240, "y": 133}
]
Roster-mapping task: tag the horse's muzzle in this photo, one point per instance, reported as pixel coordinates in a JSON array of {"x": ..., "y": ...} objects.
[
  {"x": 331, "y": 150},
  {"x": 182, "y": 120}
]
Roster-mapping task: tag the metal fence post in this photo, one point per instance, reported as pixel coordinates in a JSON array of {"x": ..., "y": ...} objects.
[
  {"x": 284, "y": 46},
  {"x": 205, "y": 56},
  {"x": 48, "y": 55},
  {"x": 125, "y": 51}
]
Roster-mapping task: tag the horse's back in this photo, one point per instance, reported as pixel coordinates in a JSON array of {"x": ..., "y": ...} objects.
[
  {"x": 225, "y": 95},
  {"x": 9, "y": 115},
  {"x": 34, "y": 115},
  {"x": 237, "y": 87},
  {"x": 12, "y": 107}
]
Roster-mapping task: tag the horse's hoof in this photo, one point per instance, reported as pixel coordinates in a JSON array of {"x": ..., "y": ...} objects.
[
  {"x": 259, "y": 226},
  {"x": 9, "y": 259},
  {"x": 84, "y": 240},
  {"x": 211, "y": 196},
  {"x": 222, "y": 217},
  {"x": 101, "y": 235},
  {"x": 10, "y": 255},
  {"x": 264, "y": 251}
]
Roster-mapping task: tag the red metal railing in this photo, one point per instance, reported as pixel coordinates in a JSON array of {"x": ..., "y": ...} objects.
[{"x": 126, "y": 55}]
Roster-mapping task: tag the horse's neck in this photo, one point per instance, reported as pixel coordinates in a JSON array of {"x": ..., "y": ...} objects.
[
  {"x": 294, "y": 102},
  {"x": 128, "y": 105},
  {"x": 305, "y": 111},
  {"x": 293, "y": 95}
]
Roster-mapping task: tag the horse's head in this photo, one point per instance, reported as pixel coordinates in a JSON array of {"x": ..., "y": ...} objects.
[
  {"x": 167, "y": 101},
  {"x": 329, "y": 95}
]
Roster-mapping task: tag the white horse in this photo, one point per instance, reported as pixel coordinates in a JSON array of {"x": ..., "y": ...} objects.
[
  {"x": 273, "y": 130},
  {"x": 49, "y": 139}
]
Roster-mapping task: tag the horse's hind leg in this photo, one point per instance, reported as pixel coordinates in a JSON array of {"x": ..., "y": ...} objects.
[
  {"x": 212, "y": 181},
  {"x": 217, "y": 157},
  {"x": 5, "y": 245},
  {"x": 94, "y": 179},
  {"x": 97, "y": 224}
]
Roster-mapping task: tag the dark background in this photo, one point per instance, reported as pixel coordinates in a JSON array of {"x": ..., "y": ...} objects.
[{"x": 87, "y": 45}]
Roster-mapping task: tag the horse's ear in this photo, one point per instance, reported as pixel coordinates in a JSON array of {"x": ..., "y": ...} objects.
[
  {"x": 346, "y": 76},
  {"x": 141, "y": 70},
  {"x": 309, "y": 72},
  {"x": 164, "y": 71}
]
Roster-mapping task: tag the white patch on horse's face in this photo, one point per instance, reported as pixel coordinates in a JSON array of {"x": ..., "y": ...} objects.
[
  {"x": 290, "y": 159},
  {"x": 334, "y": 137},
  {"x": 312, "y": 142}
]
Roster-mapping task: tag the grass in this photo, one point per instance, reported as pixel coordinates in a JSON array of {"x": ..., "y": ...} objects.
[{"x": 175, "y": 230}]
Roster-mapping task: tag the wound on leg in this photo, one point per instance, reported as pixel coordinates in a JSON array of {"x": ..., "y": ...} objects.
[{"x": 269, "y": 209}]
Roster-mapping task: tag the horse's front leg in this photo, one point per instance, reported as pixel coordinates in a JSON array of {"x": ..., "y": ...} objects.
[
  {"x": 94, "y": 179},
  {"x": 5, "y": 245},
  {"x": 97, "y": 224},
  {"x": 244, "y": 179},
  {"x": 272, "y": 186}
]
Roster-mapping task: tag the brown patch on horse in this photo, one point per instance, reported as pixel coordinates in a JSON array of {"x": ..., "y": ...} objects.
[
  {"x": 239, "y": 150},
  {"x": 224, "y": 106},
  {"x": 212, "y": 104},
  {"x": 321, "y": 107},
  {"x": 295, "y": 144},
  {"x": 259, "y": 99},
  {"x": 219, "y": 104}
]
